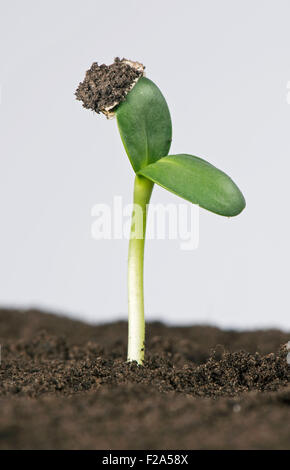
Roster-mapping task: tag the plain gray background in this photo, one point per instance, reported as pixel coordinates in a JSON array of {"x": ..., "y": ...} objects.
[{"x": 223, "y": 67}]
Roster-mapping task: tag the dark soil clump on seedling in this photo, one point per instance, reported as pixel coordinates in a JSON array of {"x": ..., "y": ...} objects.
[
  {"x": 65, "y": 385},
  {"x": 106, "y": 86}
]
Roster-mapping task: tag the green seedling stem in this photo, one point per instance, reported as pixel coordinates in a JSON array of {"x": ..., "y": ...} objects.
[{"x": 136, "y": 327}]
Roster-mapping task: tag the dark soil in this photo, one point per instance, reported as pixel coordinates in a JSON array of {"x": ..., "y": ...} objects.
[
  {"x": 66, "y": 385},
  {"x": 106, "y": 85}
]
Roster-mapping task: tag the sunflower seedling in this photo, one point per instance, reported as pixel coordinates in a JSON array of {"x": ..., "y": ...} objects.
[{"x": 121, "y": 90}]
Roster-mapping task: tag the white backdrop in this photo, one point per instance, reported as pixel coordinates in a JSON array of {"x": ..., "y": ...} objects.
[{"x": 224, "y": 68}]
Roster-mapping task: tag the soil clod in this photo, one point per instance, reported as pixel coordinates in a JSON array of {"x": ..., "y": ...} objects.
[{"x": 106, "y": 86}]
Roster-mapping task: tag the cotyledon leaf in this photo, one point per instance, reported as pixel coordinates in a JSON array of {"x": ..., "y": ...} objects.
[
  {"x": 144, "y": 123},
  {"x": 197, "y": 181}
]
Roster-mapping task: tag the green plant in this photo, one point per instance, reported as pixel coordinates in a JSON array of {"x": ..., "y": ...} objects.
[{"x": 144, "y": 124}]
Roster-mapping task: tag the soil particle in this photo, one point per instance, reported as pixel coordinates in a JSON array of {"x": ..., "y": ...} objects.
[
  {"x": 106, "y": 86},
  {"x": 65, "y": 385}
]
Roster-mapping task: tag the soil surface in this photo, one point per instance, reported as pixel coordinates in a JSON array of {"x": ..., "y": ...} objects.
[{"x": 66, "y": 385}]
